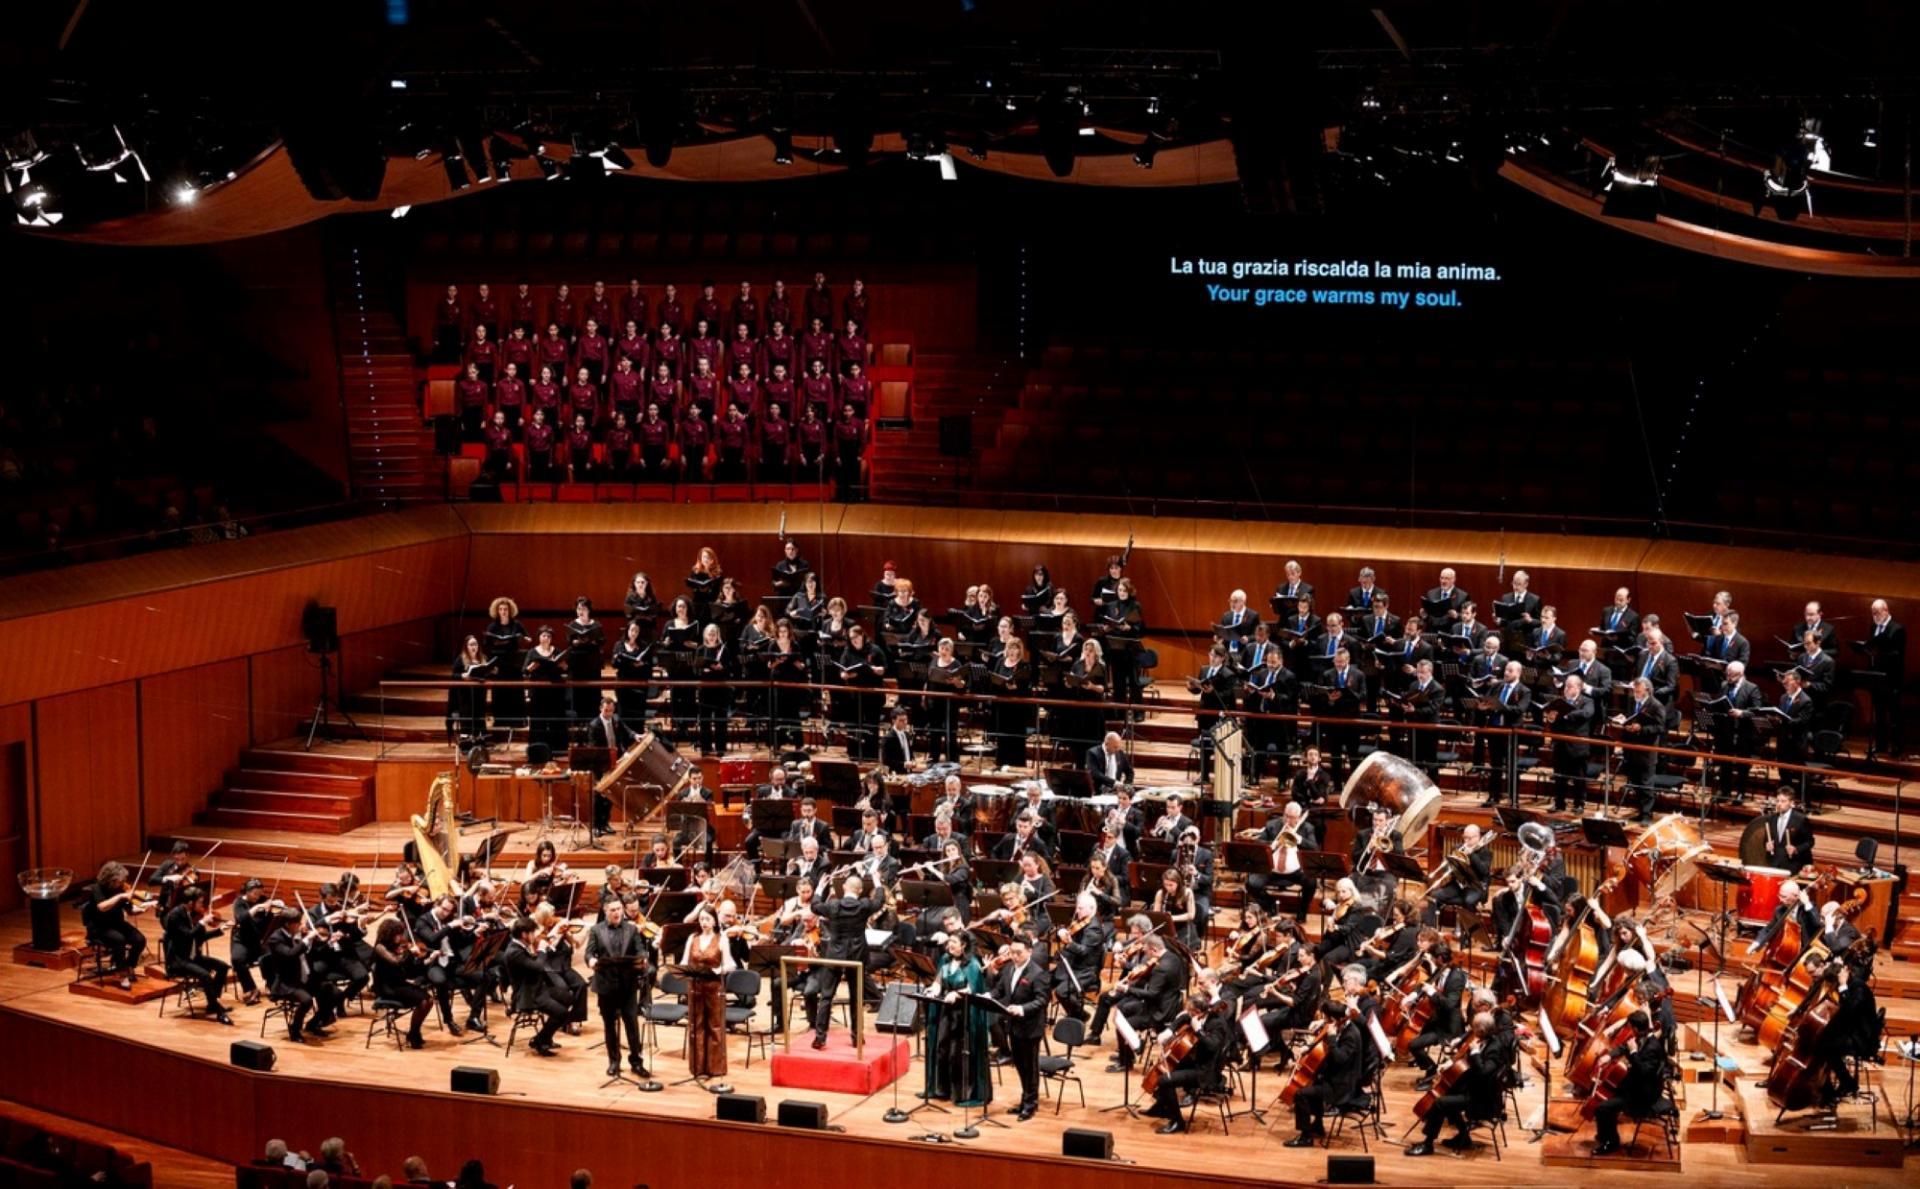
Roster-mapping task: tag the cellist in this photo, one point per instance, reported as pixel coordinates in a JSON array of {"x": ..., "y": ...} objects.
[
  {"x": 1472, "y": 1093},
  {"x": 1444, "y": 987},
  {"x": 1198, "y": 1066},
  {"x": 1338, "y": 1082},
  {"x": 1645, "y": 1052}
]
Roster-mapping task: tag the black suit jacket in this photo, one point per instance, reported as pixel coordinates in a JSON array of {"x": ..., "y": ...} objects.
[
  {"x": 892, "y": 754},
  {"x": 1792, "y": 849},
  {"x": 1627, "y": 629},
  {"x": 1095, "y": 763},
  {"x": 1822, "y": 668},
  {"x": 596, "y": 733},
  {"x": 1025, "y": 988},
  {"x": 821, "y": 832},
  {"x": 529, "y": 975},
  {"x": 1664, "y": 676},
  {"x": 1887, "y": 652},
  {"x": 1803, "y": 915},
  {"x": 605, "y": 941},
  {"x": 1310, "y": 791}
]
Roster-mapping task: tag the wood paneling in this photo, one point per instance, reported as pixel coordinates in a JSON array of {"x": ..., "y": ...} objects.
[
  {"x": 87, "y": 768},
  {"x": 193, "y": 725},
  {"x": 285, "y": 683}
]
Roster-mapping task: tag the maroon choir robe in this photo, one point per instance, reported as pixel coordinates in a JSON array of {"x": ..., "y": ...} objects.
[
  {"x": 669, "y": 352},
  {"x": 519, "y": 352},
  {"x": 779, "y": 309},
  {"x": 510, "y": 393},
  {"x": 708, "y": 348},
  {"x": 707, "y": 309},
  {"x": 599, "y": 308},
  {"x": 778, "y": 350},
  {"x": 744, "y": 393},
  {"x": 554, "y": 352},
  {"x": 484, "y": 354},
  {"x": 666, "y": 394},
  {"x": 626, "y": 390},
  {"x": 746, "y": 312},
  {"x": 741, "y": 351},
  {"x": 673, "y": 312},
  {"x": 525, "y": 309},
  {"x": 635, "y": 348},
  {"x": 820, "y": 305},
  {"x": 857, "y": 391},
  {"x": 584, "y": 398},
  {"x": 543, "y": 394},
  {"x": 593, "y": 350},
  {"x": 819, "y": 391},
  {"x": 850, "y": 348},
  {"x": 778, "y": 392},
  {"x": 855, "y": 310},
  {"x": 633, "y": 308},
  {"x": 816, "y": 346},
  {"x": 472, "y": 394}
]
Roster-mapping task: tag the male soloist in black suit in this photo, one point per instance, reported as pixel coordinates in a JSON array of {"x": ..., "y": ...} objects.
[{"x": 617, "y": 955}]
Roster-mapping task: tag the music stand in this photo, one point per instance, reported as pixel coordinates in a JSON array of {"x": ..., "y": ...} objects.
[
  {"x": 1250, "y": 1028},
  {"x": 780, "y": 888},
  {"x": 929, "y": 999},
  {"x": 1605, "y": 831},
  {"x": 1402, "y": 866},
  {"x": 1130, "y": 1037},
  {"x": 1070, "y": 782},
  {"x": 765, "y": 956},
  {"x": 1320, "y": 866},
  {"x": 991, "y": 1007}
]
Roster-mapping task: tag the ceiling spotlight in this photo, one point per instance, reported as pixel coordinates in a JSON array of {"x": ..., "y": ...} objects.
[{"x": 401, "y": 211}]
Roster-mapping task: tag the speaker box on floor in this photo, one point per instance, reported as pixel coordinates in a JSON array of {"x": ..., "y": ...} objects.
[
  {"x": 251, "y": 1054},
  {"x": 810, "y": 1116},
  {"x": 740, "y": 1108},
  {"x": 471, "y": 1079},
  {"x": 1349, "y": 1170},
  {"x": 897, "y": 1012},
  {"x": 1087, "y": 1144}
]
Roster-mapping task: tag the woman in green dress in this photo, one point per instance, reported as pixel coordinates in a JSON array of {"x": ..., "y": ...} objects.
[{"x": 957, "y": 1047}]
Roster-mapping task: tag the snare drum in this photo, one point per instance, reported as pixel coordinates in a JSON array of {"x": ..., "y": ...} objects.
[{"x": 1760, "y": 895}]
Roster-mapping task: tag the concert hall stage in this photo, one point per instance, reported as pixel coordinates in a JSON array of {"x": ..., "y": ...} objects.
[{"x": 168, "y": 1079}]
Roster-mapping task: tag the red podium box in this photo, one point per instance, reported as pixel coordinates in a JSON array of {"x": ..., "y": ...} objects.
[{"x": 838, "y": 1068}]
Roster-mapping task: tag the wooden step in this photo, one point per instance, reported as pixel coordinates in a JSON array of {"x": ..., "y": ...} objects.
[
  {"x": 333, "y": 784},
  {"x": 295, "y": 759},
  {"x": 305, "y": 823},
  {"x": 283, "y": 801}
]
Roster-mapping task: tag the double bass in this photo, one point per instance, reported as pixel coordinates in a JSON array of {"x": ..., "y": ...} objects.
[
  {"x": 1570, "y": 994},
  {"x": 1799, "y": 1070},
  {"x": 1587, "y": 1056}
]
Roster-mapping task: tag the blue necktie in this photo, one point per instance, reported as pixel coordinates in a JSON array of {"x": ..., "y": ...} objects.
[
  {"x": 1342, "y": 676},
  {"x": 1615, "y": 621},
  {"x": 1506, "y": 693},
  {"x": 1648, "y": 671}
]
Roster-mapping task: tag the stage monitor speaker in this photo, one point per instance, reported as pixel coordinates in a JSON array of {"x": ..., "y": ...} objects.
[
  {"x": 321, "y": 626},
  {"x": 446, "y": 434},
  {"x": 956, "y": 436},
  {"x": 897, "y": 1012},
  {"x": 808, "y": 1116},
  {"x": 251, "y": 1054},
  {"x": 1349, "y": 1170},
  {"x": 1087, "y": 1144},
  {"x": 740, "y": 1108},
  {"x": 472, "y": 1079}
]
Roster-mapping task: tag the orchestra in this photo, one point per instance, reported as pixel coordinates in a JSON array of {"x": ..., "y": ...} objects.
[{"x": 1187, "y": 914}]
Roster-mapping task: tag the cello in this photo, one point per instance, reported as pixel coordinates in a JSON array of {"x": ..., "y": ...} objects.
[
  {"x": 1793, "y": 1083},
  {"x": 1443, "y": 1084},
  {"x": 1307, "y": 1068},
  {"x": 1184, "y": 1039}
]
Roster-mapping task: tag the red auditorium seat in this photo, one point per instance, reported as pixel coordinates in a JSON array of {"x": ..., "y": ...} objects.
[
  {"x": 614, "y": 493},
  {"x": 575, "y": 493}
]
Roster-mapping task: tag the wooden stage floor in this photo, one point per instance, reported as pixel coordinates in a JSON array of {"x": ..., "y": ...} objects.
[{"x": 1250, "y": 1154}]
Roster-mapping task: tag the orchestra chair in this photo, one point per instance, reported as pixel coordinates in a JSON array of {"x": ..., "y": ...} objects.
[
  {"x": 530, "y": 1020},
  {"x": 1058, "y": 1067},
  {"x": 1825, "y": 742},
  {"x": 94, "y": 966},
  {"x": 743, "y": 995},
  {"x": 1495, "y": 1127},
  {"x": 386, "y": 1016},
  {"x": 1365, "y": 1117},
  {"x": 1145, "y": 661},
  {"x": 277, "y": 1007},
  {"x": 1663, "y": 1112},
  {"x": 1218, "y": 1091},
  {"x": 674, "y": 1015},
  {"x": 187, "y": 991}
]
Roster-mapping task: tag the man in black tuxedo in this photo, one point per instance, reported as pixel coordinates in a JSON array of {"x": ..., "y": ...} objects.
[
  {"x": 1022, "y": 987},
  {"x": 1619, "y": 620},
  {"x": 844, "y": 921},
  {"x": 1366, "y": 594},
  {"x": 1312, "y": 781},
  {"x": 1442, "y": 604},
  {"x": 1570, "y": 754},
  {"x": 1199, "y": 1067},
  {"x": 1463, "y": 891},
  {"x": 1789, "y": 834},
  {"x": 1645, "y": 721},
  {"x": 1646, "y": 1052},
  {"x": 1659, "y": 669},
  {"x": 1795, "y": 910},
  {"x": 1511, "y": 698},
  {"x": 1108, "y": 763},
  {"x": 616, "y": 954},
  {"x": 537, "y": 986},
  {"x": 1791, "y": 740},
  {"x": 606, "y": 730},
  {"x": 809, "y": 825},
  {"x": 1421, "y": 702},
  {"x": 1811, "y": 620},
  {"x": 1146, "y": 1005},
  {"x": 1026, "y": 837},
  {"x": 1819, "y": 667},
  {"x": 1734, "y": 732},
  {"x": 897, "y": 752},
  {"x": 943, "y": 833},
  {"x": 1885, "y": 649},
  {"x": 1347, "y": 695},
  {"x": 1727, "y": 644},
  {"x": 1283, "y": 871}
]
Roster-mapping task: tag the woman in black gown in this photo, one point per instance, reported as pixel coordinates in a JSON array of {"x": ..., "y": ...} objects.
[
  {"x": 504, "y": 639},
  {"x": 633, "y": 661},
  {"x": 586, "y": 648},
  {"x": 1011, "y": 678},
  {"x": 787, "y": 665},
  {"x": 467, "y": 702},
  {"x": 547, "y": 705}
]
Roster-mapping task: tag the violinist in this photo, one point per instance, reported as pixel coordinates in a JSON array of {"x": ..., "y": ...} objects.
[
  {"x": 338, "y": 959},
  {"x": 1445, "y": 988},
  {"x": 543, "y": 876},
  {"x": 958, "y": 1049},
  {"x": 536, "y": 986},
  {"x": 1349, "y": 922},
  {"x": 1292, "y": 1001},
  {"x": 616, "y": 887},
  {"x": 109, "y": 914},
  {"x": 284, "y": 967},
  {"x": 407, "y": 891},
  {"x": 245, "y": 939},
  {"x": 1198, "y": 1068},
  {"x": 1394, "y": 944},
  {"x": 555, "y": 946},
  {"x": 1465, "y": 881},
  {"x": 189, "y": 926},
  {"x": 449, "y": 939},
  {"x": 1370, "y": 870},
  {"x": 1645, "y": 1052},
  {"x": 1472, "y": 1094},
  {"x": 1339, "y": 1081},
  {"x": 1146, "y": 995},
  {"x": 173, "y": 876},
  {"x": 1079, "y": 951},
  {"x": 1021, "y": 986},
  {"x": 398, "y": 975},
  {"x": 845, "y": 923},
  {"x": 1014, "y": 914}
]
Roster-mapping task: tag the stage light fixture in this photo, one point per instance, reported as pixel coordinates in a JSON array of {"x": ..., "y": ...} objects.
[
  {"x": 949, "y": 172},
  {"x": 401, "y": 211},
  {"x": 186, "y": 194}
]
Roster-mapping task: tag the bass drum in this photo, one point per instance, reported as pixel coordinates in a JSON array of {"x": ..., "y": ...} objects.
[{"x": 1401, "y": 787}]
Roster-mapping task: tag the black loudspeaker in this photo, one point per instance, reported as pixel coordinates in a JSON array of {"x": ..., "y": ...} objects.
[
  {"x": 740, "y": 1108},
  {"x": 1349, "y": 1170},
  {"x": 897, "y": 1012},
  {"x": 251, "y": 1054},
  {"x": 321, "y": 626},
  {"x": 471, "y": 1079},
  {"x": 809, "y": 1116},
  {"x": 956, "y": 436},
  {"x": 1087, "y": 1144},
  {"x": 446, "y": 434}
]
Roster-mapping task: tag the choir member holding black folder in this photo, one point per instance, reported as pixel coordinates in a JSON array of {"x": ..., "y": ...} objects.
[{"x": 467, "y": 702}]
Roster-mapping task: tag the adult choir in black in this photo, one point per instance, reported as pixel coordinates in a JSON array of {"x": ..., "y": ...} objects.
[{"x": 1383, "y": 981}]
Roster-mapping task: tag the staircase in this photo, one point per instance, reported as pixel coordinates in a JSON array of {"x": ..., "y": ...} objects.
[
  {"x": 309, "y": 793},
  {"x": 390, "y": 455},
  {"x": 906, "y": 463}
]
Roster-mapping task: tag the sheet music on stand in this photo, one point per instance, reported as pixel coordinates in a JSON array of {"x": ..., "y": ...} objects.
[{"x": 1251, "y": 1028}]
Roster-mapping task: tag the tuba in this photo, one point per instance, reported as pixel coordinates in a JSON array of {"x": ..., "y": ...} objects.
[
  {"x": 1535, "y": 841},
  {"x": 433, "y": 836}
]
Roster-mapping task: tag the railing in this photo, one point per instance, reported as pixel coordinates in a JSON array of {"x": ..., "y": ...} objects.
[
  {"x": 1338, "y": 736},
  {"x": 104, "y": 548}
]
